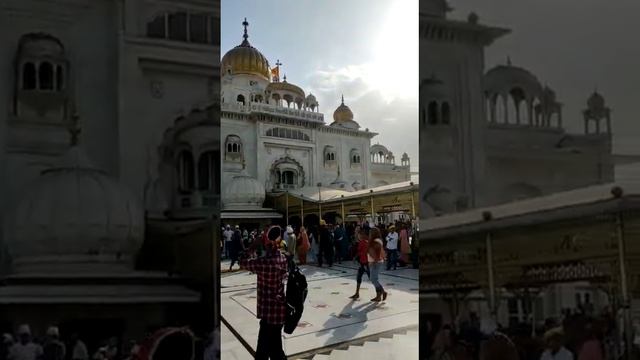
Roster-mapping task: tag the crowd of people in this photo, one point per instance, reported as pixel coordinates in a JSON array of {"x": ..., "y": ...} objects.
[
  {"x": 326, "y": 244},
  {"x": 273, "y": 255},
  {"x": 577, "y": 336},
  {"x": 165, "y": 343}
]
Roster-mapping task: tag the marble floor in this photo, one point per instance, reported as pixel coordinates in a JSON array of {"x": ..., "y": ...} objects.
[{"x": 330, "y": 318}]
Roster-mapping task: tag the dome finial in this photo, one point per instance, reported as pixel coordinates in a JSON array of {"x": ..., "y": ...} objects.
[
  {"x": 285, "y": 77},
  {"x": 509, "y": 60},
  {"x": 342, "y": 99},
  {"x": 245, "y": 23},
  {"x": 74, "y": 130}
]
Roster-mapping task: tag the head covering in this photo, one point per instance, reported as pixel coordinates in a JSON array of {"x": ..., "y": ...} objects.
[
  {"x": 392, "y": 227},
  {"x": 53, "y": 331},
  {"x": 322, "y": 222},
  {"x": 237, "y": 226},
  {"x": 554, "y": 333},
  {"x": 289, "y": 229},
  {"x": 24, "y": 329}
]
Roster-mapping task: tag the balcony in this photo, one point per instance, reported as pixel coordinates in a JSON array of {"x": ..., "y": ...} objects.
[
  {"x": 284, "y": 187},
  {"x": 274, "y": 110}
]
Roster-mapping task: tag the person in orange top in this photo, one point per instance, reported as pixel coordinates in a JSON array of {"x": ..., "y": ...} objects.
[
  {"x": 303, "y": 246},
  {"x": 376, "y": 256},
  {"x": 405, "y": 249},
  {"x": 363, "y": 260}
]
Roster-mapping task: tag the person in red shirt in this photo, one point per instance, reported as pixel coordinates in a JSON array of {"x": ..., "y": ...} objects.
[
  {"x": 363, "y": 248},
  {"x": 272, "y": 270}
]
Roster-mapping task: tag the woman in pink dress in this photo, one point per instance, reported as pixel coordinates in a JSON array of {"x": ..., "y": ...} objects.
[{"x": 405, "y": 249}]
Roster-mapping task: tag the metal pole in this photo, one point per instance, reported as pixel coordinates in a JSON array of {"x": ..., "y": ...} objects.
[
  {"x": 342, "y": 208},
  {"x": 319, "y": 201},
  {"x": 413, "y": 206},
  {"x": 373, "y": 219},
  {"x": 492, "y": 285},
  {"x": 626, "y": 303},
  {"x": 301, "y": 210},
  {"x": 286, "y": 205}
]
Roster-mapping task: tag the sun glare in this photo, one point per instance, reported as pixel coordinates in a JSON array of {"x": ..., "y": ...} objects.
[{"x": 394, "y": 70}]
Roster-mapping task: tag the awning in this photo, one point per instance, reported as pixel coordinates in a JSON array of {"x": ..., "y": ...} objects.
[
  {"x": 96, "y": 294},
  {"x": 565, "y": 205},
  {"x": 250, "y": 215}
]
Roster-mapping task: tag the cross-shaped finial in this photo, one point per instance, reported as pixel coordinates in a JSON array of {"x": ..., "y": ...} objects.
[
  {"x": 278, "y": 63},
  {"x": 245, "y": 24},
  {"x": 74, "y": 129}
]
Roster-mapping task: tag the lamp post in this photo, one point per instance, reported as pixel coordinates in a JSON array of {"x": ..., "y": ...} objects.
[{"x": 319, "y": 201}]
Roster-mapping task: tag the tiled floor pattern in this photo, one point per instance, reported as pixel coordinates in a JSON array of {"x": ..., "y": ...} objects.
[{"x": 330, "y": 317}]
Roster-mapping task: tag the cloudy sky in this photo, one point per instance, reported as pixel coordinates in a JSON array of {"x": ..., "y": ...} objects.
[
  {"x": 574, "y": 46},
  {"x": 364, "y": 49}
]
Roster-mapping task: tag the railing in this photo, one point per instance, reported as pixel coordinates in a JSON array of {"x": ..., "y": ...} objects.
[{"x": 273, "y": 109}]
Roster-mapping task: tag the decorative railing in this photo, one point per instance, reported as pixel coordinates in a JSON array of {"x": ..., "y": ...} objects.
[{"x": 273, "y": 109}]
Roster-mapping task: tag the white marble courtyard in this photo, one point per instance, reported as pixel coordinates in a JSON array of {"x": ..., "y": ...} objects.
[{"x": 332, "y": 326}]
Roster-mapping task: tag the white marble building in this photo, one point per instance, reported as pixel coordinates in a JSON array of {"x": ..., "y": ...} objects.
[
  {"x": 494, "y": 136},
  {"x": 139, "y": 76},
  {"x": 497, "y": 135},
  {"x": 275, "y": 134}
]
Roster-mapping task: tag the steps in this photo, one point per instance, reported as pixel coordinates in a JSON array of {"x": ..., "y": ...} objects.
[{"x": 399, "y": 346}]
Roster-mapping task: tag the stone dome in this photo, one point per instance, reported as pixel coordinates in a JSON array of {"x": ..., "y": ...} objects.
[
  {"x": 311, "y": 99},
  {"x": 243, "y": 192},
  {"x": 75, "y": 218},
  {"x": 245, "y": 59},
  {"x": 343, "y": 113},
  {"x": 287, "y": 87},
  {"x": 502, "y": 79},
  {"x": 596, "y": 101}
]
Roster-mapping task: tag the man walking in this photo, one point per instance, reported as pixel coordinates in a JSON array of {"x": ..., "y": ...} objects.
[
  {"x": 271, "y": 270},
  {"x": 340, "y": 240},
  {"x": 228, "y": 236},
  {"x": 325, "y": 244},
  {"x": 392, "y": 248}
]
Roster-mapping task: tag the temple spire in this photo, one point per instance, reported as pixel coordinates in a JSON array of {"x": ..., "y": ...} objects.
[{"x": 245, "y": 23}]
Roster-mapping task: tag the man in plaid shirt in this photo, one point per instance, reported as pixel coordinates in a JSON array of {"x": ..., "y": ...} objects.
[{"x": 272, "y": 271}]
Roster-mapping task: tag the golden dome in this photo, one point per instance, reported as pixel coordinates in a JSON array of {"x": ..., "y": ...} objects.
[
  {"x": 245, "y": 59},
  {"x": 285, "y": 86},
  {"x": 342, "y": 113}
]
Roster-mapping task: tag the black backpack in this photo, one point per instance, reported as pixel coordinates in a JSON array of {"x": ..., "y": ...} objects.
[{"x": 296, "y": 295}]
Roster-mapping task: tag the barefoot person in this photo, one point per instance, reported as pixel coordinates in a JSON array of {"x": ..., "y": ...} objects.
[
  {"x": 272, "y": 271},
  {"x": 375, "y": 257},
  {"x": 362, "y": 258}
]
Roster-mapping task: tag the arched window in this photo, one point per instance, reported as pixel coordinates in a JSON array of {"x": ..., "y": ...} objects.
[
  {"x": 233, "y": 147},
  {"x": 29, "y": 76},
  {"x": 185, "y": 171},
  {"x": 157, "y": 28},
  {"x": 45, "y": 75},
  {"x": 446, "y": 113},
  {"x": 288, "y": 134},
  {"x": 288, "y": 177},
  {"x": 329, "y": 155},
  {"x": 190, "y": 27},
  {"x": 240, "y": 99},
  {"x": 207, "y": 171},
  {"x": 433, "y": 113}
]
